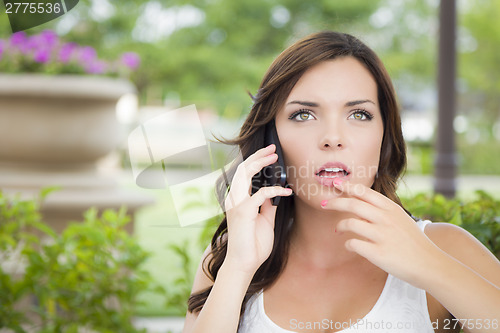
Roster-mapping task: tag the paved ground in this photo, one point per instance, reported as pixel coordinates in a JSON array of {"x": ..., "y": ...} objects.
[{"x": 160, "y": 325}]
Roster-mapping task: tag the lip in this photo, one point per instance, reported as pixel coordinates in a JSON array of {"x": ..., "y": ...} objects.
[{"x": 327, "y": 181}]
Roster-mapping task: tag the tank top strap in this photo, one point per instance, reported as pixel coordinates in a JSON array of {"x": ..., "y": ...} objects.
[{"x": 423, "y": 223}]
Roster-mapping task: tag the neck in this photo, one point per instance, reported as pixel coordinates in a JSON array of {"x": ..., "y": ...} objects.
[{"x": 314, "y": 240}]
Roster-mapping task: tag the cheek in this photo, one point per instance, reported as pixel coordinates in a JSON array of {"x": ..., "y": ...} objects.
[
  {"x": 373, "y": 162},
  {"x": 295, "y": 151},
  {"x": 372, "y": 152},
  {"x": 363, "y": 146},
  {"x": 370, "y": 158}
]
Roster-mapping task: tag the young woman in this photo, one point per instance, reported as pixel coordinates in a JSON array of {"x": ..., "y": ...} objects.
[{"x": 341, "y": 253}]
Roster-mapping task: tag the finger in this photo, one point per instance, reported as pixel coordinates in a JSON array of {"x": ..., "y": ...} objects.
[
  {"x": 360, "y": 227},
  {"x": 355, "y": 206},
  {"x": 362, "y": 192},
  {"x": 251, "y": 166},
  {"x": 268, "y": 211},
  {"x": 269, "y": 192},
  {"x": 258, "y": 199},
  {"x": 259, "y": 154},
  {"x": 254, "y": 164},
  {"x": 242, "y": 179},
  {"x": 363, "y": 248}
]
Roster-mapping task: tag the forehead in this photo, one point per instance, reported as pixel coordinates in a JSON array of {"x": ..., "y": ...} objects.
[{"x": 337, "y": 80}]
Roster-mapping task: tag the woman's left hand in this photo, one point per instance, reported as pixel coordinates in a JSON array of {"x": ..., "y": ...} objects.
[{"x": 391, "y": 239}]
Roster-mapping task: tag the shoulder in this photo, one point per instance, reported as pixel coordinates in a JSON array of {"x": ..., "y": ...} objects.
[
  {"x": 456, "y": 240},
  {"x": 464, "y": 247}
]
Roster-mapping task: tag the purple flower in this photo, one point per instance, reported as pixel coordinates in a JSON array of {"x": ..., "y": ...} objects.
[
  {"x": 96, "y": 67},
  {"x": 18, "y": 38},
  {"x": 1, "y": 47},
  {"x": 48, "y": 38},
  {"x": 66, "y": 52},
  {"x": 31, "y": 44},
  {"x": 21, "y": 42},
  {"x": 87, "y": 54},
  {"x": 42, "y": 55},
  {"x": 53, "y": 56},
  {"x": 131, "y": 60}
]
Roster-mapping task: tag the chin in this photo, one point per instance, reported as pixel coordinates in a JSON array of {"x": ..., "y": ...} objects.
[{"x": 313, "y": 192}]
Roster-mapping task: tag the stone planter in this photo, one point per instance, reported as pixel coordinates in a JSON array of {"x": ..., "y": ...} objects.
[
  {"x": 53, "y": 130},
  {"x": 57, "y": 121}
]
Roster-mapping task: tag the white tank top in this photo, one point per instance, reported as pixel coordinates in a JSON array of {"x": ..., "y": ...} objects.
[{"x": 401, "y": 308}]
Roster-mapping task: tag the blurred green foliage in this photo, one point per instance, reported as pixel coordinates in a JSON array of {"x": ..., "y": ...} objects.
[
  {"x": 473, "y": 158},
  {"x": 212, "y": 52},
  {"x": 88, "y": 277},
  {"x": 215, "y": 61},
  {"x": 479, "y": 54},
  {"x": 481, "y": 216},
  {"x": 179, "y": 293}
]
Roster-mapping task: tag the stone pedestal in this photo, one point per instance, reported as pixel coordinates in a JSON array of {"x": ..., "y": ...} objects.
[
  {"x": 53, "y": 130},
  {"x": 78, "y": 190}
]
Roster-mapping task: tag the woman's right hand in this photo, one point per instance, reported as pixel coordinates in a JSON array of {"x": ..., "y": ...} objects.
[{"x": 250, "y": 232}]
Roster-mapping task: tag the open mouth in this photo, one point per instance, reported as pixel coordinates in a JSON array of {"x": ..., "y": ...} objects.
[
  {"x": 332, "y": 173},
  {"x": 326, "y": 174}
]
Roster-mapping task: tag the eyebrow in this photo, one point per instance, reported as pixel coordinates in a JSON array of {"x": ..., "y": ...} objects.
[
  {"x": 304, "y": 103},
  {"x": 350, "y": 103},
  {"x": 361, "y": 101}
]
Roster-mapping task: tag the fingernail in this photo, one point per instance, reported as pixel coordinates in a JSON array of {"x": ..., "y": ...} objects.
[
  {"x": 337, "y": 181},
  {"x": 323, "y": 203},
  {"x": 335, "y": 230}
]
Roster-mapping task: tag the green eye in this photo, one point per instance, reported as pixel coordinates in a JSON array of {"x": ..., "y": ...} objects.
[
  {"x": 304, "y": 116},
  {"x": 361, "y": 115},
  {"x": 301, "y": 115}
]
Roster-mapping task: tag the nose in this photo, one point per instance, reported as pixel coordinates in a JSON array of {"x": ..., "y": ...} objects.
[{"x": 331, "y": 136}]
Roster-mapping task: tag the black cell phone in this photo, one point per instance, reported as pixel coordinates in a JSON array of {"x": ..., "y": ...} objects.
[{"x": 274, "y": 174}]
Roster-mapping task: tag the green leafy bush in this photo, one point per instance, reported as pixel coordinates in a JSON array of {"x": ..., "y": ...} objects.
[
  {"x": 481, "y": 216},
  {"x": 177, "y": 296},
  {"x": 86, "y": 278}
]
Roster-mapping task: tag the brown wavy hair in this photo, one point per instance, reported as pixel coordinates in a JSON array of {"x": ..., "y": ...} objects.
[{"x": 274, "y": 89}]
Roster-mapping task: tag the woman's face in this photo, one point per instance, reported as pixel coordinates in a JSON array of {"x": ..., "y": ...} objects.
[{"x": 331, "y": 127}]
